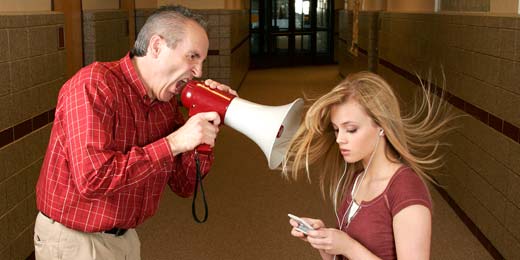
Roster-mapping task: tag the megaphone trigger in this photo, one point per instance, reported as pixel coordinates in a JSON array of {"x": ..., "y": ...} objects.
[{"x": 204, "y": 149}]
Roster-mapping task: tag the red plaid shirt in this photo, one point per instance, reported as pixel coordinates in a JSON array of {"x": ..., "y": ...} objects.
[{"x": 108, "y": 160}]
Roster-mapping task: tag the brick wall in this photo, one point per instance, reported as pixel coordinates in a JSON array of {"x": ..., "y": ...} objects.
[
  {"x": 480, "y": 57},
  {"x": 31, "y": 73},
  {"x": 105, "y": 35},
  {"x": 466, "y": 5},
  {"x": 367, "y": 42}
]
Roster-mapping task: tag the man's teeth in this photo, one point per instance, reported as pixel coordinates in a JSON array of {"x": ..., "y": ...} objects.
[{"x": 181, "y": 84}]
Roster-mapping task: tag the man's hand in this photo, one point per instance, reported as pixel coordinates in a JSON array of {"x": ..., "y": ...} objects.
[
  {"x": 201, "y": 128},
  {"x": 213, "y": 84}
]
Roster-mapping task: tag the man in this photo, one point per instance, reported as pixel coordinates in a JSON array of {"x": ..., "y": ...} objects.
[{"x": 118, "y": 138}]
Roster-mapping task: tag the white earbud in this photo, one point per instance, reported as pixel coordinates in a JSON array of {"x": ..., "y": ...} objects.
[{"x": 381, "y": 132}]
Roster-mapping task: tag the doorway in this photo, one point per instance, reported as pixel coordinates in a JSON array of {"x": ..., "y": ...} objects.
[{"x": 291, "y": 32}]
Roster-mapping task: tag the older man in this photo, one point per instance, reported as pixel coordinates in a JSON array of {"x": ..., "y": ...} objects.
[{"x": 118, "y": 138}]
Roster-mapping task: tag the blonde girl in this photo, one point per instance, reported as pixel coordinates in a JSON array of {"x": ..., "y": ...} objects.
[{"x": 372, "y": 160}]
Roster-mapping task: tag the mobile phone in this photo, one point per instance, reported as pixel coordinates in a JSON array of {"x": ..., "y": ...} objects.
[{"x": 303, "y": 226}]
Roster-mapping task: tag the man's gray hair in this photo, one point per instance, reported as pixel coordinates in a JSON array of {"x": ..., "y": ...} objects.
[{"x": 168, "y": 22}]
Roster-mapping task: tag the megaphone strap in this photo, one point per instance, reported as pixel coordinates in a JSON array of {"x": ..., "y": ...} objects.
[{"x": 198, "y": 180}]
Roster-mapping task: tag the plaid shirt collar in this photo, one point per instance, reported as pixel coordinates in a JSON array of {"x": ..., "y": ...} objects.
[{"x": 131, "y": 76}]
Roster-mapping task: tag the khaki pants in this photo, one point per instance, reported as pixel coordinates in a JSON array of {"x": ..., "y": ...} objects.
[{"x": 52, "y": 240}]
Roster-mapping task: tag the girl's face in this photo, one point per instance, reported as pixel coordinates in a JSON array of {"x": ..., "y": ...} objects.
[{"x": 356, "y": 133}]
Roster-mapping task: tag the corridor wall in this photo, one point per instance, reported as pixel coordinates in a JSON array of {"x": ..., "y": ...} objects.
[
  {"x": 32, "y": 70},
  {"x": 480, "y": 57}
]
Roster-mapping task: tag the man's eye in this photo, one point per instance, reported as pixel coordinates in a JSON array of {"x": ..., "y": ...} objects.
[{"x": 193, "y": 57}]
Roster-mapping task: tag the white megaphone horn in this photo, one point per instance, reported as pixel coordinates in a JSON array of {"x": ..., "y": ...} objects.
[{"x": 270, "y": 127}]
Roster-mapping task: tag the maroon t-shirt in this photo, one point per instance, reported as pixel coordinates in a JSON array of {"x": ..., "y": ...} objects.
[{"x": 372, "y": 224}]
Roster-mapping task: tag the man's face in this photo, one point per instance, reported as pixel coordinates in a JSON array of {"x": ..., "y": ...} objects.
[{"x": 174, "y": 67}]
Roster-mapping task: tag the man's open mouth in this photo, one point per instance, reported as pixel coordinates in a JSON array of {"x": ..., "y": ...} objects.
[{"x": 180, "y": 85}]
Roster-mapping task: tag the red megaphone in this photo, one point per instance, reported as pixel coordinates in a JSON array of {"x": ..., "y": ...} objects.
[
  {"x": 270, "y": 127},
  {"x": 199, "y": 98}
]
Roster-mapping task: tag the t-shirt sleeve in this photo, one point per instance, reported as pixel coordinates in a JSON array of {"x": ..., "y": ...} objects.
[{"x": 408, "y": 189}]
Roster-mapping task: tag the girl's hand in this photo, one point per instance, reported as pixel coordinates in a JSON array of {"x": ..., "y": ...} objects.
[
  {"x": 329, "y": 240},
  {"x": 315, "y": 223}
]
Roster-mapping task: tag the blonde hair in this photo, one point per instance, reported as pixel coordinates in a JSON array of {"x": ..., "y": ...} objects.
[{"x": 413, "y": 139}]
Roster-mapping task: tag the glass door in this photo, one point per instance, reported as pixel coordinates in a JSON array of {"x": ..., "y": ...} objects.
[
  {"x": 279, "y": 31},
  {"x": 291, "y": 32}
]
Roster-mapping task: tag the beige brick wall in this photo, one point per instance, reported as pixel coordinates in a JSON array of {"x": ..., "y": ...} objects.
[
  {"x": 466, "y": 5},
  {"x": 105, "y": 35},
  {"x": 367, "y": 40},
  {"x": 228, "y": 32},
  {"x": 32, "y": 69},
  {"x": 480, "y": 55},
  {"x": 504, "y": 6}
]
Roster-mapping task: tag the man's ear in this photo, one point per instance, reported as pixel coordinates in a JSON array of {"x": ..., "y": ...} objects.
[{"x": 155, "y": 45}]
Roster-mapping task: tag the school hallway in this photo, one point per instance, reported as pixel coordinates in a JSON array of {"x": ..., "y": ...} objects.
[
  {"x": 273, "y": 52},
  {"x": 248, "y": 203}
]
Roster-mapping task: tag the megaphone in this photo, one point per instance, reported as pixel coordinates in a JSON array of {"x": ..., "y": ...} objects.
[{"x": 270, "y": 127}]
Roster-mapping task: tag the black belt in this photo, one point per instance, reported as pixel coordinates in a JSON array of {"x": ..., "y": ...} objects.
[{"x": 115, "y": 231}]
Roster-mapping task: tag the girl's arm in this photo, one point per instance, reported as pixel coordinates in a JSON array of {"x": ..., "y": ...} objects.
[{"x": 412, "y": 232}]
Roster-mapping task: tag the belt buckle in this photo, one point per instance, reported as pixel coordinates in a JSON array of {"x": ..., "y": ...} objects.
[
  {"x": 120, "y": 232},
  {"x": 116, "y": 231}
]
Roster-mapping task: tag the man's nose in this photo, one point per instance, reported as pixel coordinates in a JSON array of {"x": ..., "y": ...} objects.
[{"x": 197, "y": 70}]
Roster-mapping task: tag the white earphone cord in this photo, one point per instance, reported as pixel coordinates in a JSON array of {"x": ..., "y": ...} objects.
[{"x": 336, "y": 192}]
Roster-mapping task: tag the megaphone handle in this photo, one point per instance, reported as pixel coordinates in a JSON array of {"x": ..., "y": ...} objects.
[{"x": 204, "y": 149}]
